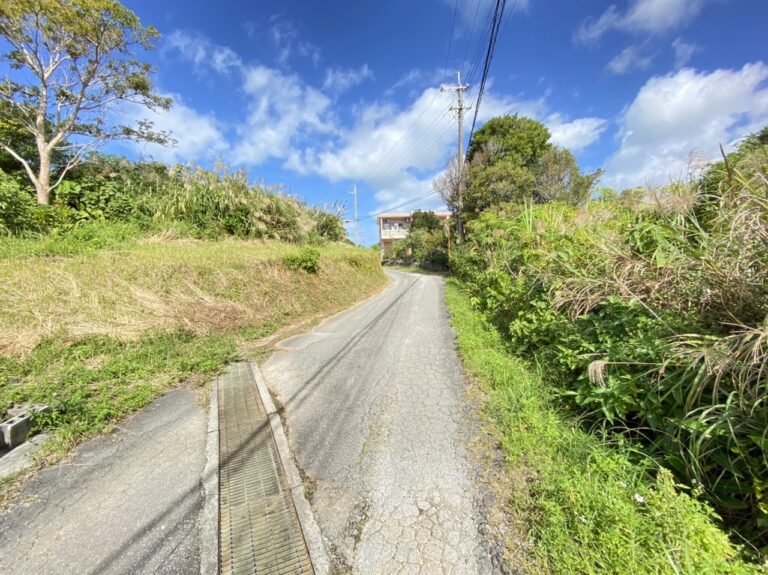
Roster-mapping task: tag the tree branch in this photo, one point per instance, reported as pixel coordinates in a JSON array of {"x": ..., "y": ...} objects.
[{"x": 24, "y": 163}]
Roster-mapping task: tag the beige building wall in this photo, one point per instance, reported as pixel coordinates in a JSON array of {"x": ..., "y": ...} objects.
[{"x": 396, "y": 226}]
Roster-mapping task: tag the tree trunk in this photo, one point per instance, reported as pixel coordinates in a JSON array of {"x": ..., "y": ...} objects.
[{"x": 43, "y": 183}]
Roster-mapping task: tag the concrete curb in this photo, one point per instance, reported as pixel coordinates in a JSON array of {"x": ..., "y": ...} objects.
[
  {"x": 312, "y": 536},
  {"x": 21, "y": 458},
  {"x": 209, "y": 517}
]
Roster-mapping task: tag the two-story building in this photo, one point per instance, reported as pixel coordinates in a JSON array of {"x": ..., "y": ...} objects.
[{"x": 396, "y": 226}]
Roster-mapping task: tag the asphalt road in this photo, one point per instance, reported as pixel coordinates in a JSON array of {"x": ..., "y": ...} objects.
[
  {"x": 126, "y": 503},
  {"x": 378, "y": 419}
]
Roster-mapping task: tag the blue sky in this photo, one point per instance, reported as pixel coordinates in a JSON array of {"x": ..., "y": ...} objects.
[{"x": 318, "y": 96}]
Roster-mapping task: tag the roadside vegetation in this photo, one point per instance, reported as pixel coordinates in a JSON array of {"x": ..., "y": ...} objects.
[
  {"x": 99, "y": 333},
  {"x": 579, "y": 503},
  {"x": 121, "y": 279},
  {"x": 634, "y": 324},
  {"x": 426, "y": 247},
  {"x": 139, "y": 276}
]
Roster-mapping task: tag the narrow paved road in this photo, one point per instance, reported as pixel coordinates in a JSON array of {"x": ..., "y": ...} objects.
[{"x": 377, "y": 413}]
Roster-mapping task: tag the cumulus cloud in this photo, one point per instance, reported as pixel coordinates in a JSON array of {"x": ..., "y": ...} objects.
[
  {"x": 577, "y": 134},
  {"x": 642, "y": 16},
  {"x": 415, "y": 80},
  {"x": 398, "y": 152},
  {"x": 339, "y": 80},
  {"x": 395, "y": 150},
  {"x": 687, "y": 111},
  {"x": 199, "y": 136},
  {"x": 281, "y": 110},
  {"x": 384, "y": 142},
  {"x": 629, "y": 59}
]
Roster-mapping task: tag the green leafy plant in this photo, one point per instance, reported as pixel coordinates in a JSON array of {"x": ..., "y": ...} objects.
[
  {"x": 307, "y": 259},
  {"x": 649, "y": 318}
]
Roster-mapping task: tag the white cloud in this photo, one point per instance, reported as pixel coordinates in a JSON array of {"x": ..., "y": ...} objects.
[
  {"x": 199, "y": 136},
  {"x": 629, "y": 59},
  {"x": 285, "y": 39},
  {"x": 340, "y": 80},
  {"x": 683, "y": 52},
  {"x": 684, "y": 112},
  {"x": 575, "y": 135},
  {"x": 281, "y": 110},
  {"x": 199, "y": 50},
  {"x": 642, "y": 16},
  {"x": 416, "y": 80},
  {"x": 385, "y": 142},
  {"x": 397, "y": 153}
]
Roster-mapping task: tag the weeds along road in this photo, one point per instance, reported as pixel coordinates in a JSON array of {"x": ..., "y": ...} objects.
[{"x": 378, "y": 417}]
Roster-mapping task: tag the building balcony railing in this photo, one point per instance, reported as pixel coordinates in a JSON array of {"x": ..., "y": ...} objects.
[{"x": 396, "y": 234}]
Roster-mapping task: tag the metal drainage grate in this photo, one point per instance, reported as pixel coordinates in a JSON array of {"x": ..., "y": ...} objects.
[{"x": 259, "y": 528}]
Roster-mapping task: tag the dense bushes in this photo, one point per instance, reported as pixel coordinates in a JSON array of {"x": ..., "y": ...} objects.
[
  {"x": 650, "y": 319},
  {"x": 17, "y": 207},
  {"x": 154, "y": 196},
  {"x": 587, "y": 504},
  {"x": 426, "y": 244}
]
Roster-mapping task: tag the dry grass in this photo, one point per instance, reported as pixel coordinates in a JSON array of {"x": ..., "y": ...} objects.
[{"x": 166, "y": 284}]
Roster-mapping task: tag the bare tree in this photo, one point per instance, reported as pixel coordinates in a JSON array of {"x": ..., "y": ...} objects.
[
  {"x": 68, "y": 62},
  {"x": 448, "y": 184}
]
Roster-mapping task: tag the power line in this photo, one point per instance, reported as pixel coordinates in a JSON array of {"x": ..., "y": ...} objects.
[
  {"x": 425, "y": 108},
  {"x": 478, "y": 53},
  {"x": 433, "y": 142},
  {"x": 427, "y": 132},
  {"x": 433, "y": 193},
  {"x": 450, "y": 39},
  {"x": 497, "y": 19},
  {"x": 469, "y": 37}
]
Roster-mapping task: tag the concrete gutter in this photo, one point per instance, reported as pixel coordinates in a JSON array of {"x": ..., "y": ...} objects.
[
  {"x": 312, "y": 536},
  {"x": 209, "y": 516}
]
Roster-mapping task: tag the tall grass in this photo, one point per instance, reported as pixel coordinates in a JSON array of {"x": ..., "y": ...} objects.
[
  {"x": 651, "y": 319},
  {"x": 575, "y": 504},
  {"x": 153, "y": 196}
]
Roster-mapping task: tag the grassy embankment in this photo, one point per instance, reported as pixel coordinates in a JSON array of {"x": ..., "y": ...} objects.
[
  {"x": 100, "y": 327},
  {"x": 583, "y": 506}
]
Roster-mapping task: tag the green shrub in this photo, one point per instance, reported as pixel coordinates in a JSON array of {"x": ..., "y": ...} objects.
[
  {"x": 307, "y": 259},
  {"x": 155, "y": 197},
  {"x": 651, "y": 322},
  {"x": 17, "y": 207},
  {"x": 586, "y": 507},
  {"x": 329, "y": 227},
  {"x": 72, "y": 240}
]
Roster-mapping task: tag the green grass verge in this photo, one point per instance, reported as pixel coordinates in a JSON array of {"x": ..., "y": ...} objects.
[
  {"x": 97, "y": 380},
  {"x": 98, "y": 325},
  {"x": 586, "y": 506}
]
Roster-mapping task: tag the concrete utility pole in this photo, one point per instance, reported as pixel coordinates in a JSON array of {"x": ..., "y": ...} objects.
[
  {"x": 354, "y": 192},
  {"x": 460, "y": 108}
]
